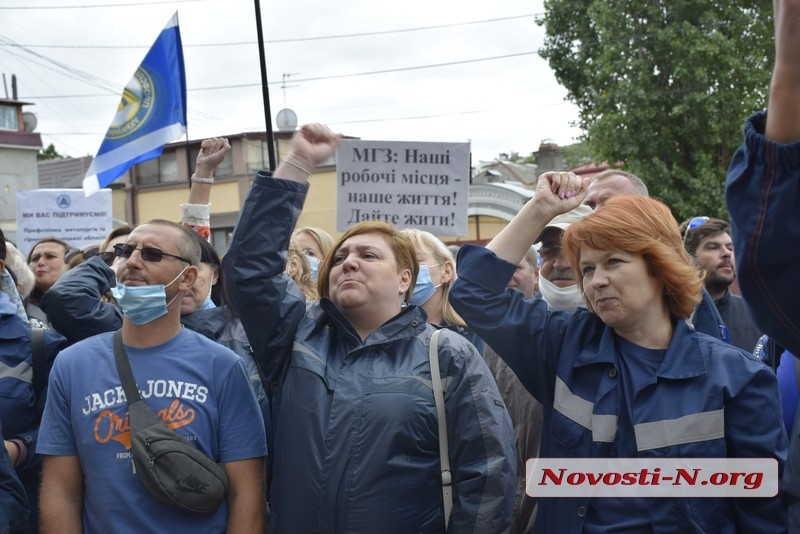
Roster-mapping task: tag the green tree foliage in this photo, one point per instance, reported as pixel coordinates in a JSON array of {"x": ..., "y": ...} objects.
[
  {"x": 578, "y": 154},
  {"x": 664, "y": 86},
  {"x": 48, "y": 153}
]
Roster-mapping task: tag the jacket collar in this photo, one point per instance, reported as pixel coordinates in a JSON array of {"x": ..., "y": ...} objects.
[
  {"x": 410, "y": 322},
  {"x": 684, "y": 359},
  {"x": 723, "y": 300},
  {"x": 210, "y": 323}
]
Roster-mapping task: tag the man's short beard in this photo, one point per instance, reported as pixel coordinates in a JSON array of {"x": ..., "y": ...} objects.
[{"x": 716, "y": 283}]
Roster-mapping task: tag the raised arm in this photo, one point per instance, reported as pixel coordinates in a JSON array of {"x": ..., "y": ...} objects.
[
  {"x": 763, "y": 193},
  {"x": 783, "y": 112},
  {"x": 267, "y": 300},
  {"x": 505, "y": 320},
  {"x": 556, "y": 193},
  {"x": 196, "y": 213}
]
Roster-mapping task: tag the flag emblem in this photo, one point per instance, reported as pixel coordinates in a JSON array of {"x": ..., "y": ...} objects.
[{"x": 150, "y": 114}]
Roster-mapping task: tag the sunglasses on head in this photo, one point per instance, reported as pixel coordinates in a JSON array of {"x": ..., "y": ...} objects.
[
  {"x": 694, "y": 223},
  {"x": 151, "y": 254}
]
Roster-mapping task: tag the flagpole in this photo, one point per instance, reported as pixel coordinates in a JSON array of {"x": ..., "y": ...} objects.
[
  {"x": 265, "y": 88},
  {"x": 189, "y": 167}
]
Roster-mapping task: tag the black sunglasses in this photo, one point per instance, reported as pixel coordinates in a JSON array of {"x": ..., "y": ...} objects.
[{"x": 150, "y": 254}]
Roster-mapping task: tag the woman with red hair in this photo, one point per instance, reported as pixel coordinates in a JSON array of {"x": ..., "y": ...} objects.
[{"x": 628, "y": 377}]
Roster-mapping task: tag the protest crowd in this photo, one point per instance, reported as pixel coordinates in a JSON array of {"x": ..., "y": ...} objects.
[{"x": 382, "y": 381}]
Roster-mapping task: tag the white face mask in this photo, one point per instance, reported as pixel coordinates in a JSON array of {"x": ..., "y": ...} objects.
[{"x": 560, "y": 298}]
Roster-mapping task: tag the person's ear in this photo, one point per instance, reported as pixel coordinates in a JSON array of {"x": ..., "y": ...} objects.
[
  {"x": 448, "y": 272},
  {"x": 405, "y": 281},
  {"x": 189, "y": 278},
  {"x": 292, "y": 265}
]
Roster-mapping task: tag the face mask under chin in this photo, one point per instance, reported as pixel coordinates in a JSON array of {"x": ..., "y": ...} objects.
[
  {"x": 143, "y": 304},
  {"x": 560, "y": 298}
]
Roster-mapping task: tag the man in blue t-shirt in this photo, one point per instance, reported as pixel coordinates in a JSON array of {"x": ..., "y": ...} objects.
[{"x": 198, "y": 387}]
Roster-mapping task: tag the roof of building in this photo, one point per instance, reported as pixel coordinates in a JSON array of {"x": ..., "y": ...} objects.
[{"x": 20, "y": 139}]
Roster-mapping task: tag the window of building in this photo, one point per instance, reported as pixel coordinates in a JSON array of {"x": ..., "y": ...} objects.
[
  {"x": 221, "y": 239},
  {"x": 8, "y": 118},
  {"x": 256, "y": 155},
  {"x": 161, "y": 170}
]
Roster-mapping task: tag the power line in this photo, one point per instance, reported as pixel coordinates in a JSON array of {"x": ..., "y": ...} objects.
[
  {"x": 293, "y": 39},
  {"x": 90, "y": 6},
  {"x": 319, "y": 78}
]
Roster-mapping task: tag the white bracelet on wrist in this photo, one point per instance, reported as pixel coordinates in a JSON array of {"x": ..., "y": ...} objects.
[
  {"x": 301, "y": 164},
  {"x": 201, "y": 180}
]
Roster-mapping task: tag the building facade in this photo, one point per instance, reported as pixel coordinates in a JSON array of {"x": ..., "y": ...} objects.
[{"x": 19, "y": 146}]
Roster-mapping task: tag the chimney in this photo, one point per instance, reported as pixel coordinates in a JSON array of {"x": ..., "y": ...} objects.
[{"x": 549, "y": 157}]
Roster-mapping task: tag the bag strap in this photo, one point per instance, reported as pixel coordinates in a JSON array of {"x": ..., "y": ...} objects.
[
  {"x": 124, "y": 370},
  {"x": 444, "y": 455},
  {"x": 38, "y": 361}
]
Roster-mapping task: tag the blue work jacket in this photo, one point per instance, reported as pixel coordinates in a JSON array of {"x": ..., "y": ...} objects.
[{"x": 707, "y": 400}]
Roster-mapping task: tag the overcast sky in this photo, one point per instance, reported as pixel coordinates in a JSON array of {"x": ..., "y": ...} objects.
[{"x": 417, "y": 70}]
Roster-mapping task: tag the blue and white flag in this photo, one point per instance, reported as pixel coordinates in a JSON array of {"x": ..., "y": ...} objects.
[{"x": 151, "y": 113}]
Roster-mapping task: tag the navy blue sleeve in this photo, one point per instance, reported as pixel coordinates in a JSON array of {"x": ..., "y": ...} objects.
[
  {"x": 523, "y": 332},
  {"x": 268, "y": 302},
  {"x": 763, "y": 198},
  {"x": 74, "y": 306}
]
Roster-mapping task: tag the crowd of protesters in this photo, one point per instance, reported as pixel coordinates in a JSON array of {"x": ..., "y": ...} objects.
[{"x": 378, "y": 381}]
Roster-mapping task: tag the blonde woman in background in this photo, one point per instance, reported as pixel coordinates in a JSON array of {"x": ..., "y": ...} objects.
[
  {"x": 298, "y": 267},
  {"x": 315, "y": 243},
  {"x": 437, "y": 272}
]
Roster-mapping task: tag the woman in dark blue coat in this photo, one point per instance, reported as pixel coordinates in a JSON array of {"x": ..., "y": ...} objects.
[{"x": 356, "y": 431}]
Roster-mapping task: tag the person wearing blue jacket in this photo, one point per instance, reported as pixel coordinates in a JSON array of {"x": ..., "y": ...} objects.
[
  {"x": 762, "y": 193},
  {"x": 628, "y": 377},
  {"x": 23, "y": 396},
  {"x": 13, "y": 503},
  {"x": 356, "y": 432}
]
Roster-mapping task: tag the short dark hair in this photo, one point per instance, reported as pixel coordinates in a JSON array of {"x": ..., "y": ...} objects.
[
  {"x": 692, "y": 238},
  {"x": 2, "y": 246},
  {"x": 187, "y": 244}
]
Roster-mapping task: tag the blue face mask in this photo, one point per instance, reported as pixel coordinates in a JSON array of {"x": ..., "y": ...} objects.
[
  {"x": 424, "y": 288},
  {"x": 143, "y": 304},
  {"x": 208, "y": 303},
  {"x": 314, "y": 264}
]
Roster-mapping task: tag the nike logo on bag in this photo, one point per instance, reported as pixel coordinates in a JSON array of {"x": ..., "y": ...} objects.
[{"x": 192, "y": 484}]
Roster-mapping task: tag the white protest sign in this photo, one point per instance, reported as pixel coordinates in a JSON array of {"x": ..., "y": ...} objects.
[
  {"x": 406, "y": 184},
  {"x": 67, "y": 214}
]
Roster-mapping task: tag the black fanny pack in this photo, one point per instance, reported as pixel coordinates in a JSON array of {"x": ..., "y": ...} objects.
[{"x": 171, "y": 470}]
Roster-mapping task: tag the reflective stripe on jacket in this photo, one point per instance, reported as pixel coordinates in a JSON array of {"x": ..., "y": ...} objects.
[{"x": 708, "y": 400}]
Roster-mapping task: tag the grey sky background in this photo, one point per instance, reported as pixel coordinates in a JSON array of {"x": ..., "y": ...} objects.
[{"x": 442, "y": 70}]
